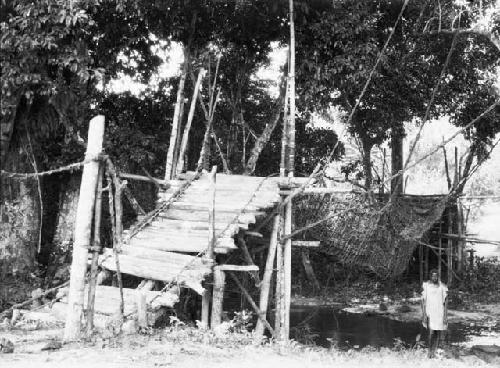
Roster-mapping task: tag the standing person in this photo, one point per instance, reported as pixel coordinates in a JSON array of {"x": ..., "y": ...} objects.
[{"x": 434, "y": 310}]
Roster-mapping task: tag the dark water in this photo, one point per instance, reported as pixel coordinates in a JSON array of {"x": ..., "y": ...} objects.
[{"x": 327, "y": 326}]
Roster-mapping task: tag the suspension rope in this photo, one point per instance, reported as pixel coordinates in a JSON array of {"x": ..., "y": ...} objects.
[{"x": 70, "y": 167}]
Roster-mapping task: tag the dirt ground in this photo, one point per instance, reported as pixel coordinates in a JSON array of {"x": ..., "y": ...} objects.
[{"x": 190, "y": 347}]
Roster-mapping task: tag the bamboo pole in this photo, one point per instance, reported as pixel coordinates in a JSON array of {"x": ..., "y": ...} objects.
[
  {"x": 279, "y": 279},
  {"x": 83, "y": 224},
  {"x": 133, "y": 202},
  {"x": 421, "y": 263},
  {"x": 248, "y": 257},
  {"x": 460, "y": 242},
  {"x": 175, "y": 121},
  {"x": 447, "y": 171},
  {"x": 218, "y": 297},
  {"x": 284, "y": 134},
  {"x": 187, "y": 128},
  {"x": 113, "y": 217},
  {"x": 177, "y": 146},
  {"x": 252, "y": 303},
  {"x": 382, "y": 188},
  {"x": 440, "y": 244},
  {"x": 266, "y": 279},
  {"x": 449, "y": 243},
  {"x": 205, "y": 301},
  {"x": 287, "y": 271},
  {"x": 291, "y": 140},
  {"x": 95, "y": 252}
]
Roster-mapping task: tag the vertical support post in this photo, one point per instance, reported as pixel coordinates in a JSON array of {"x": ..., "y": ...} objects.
[
  {"x": 95, "y": 252},
  {"x": 291, "y": 137},
  {"x": 119, "y": 236},
  {"x": 287, "y": 266},
  {"x": 284, "y": 134},
  {"x": 421, "y": 263},
  {"x": 142, "y": 312},
  {"x": 175, "y": 121},
  {"x": 460, "y": 232},
  {"x": 218, "y": 297},
  {"x": 426, "y": 263},
  {"x": 84, "y": 214},
  {"x": 279, "y": 279},
  {"x": 440, "y": 250},
  {"x": 185, "y": 136},
  {"x": 450, "y": 246},
  {"x": 266, "y": 279},
  {"x": 205, "y": 301},
  {"x": 384, "y": 162}
]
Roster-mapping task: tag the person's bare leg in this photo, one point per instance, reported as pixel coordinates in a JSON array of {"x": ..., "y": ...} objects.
[
  {"x": 430, "y": 353},
  {"x": 435, "y": 343}
]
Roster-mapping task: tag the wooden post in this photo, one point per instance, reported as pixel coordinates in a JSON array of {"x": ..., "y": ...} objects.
[
  {"x": 284, "y": 134},
  {"x": 142, "y": 315},
  {"x": 460, "y": 232},
  {"x": 426, "y": 263},
  {"x": 287, "y": 271},
  {"x": 266, "y": 279},
  {"x": 384, "y": 159},
  {"x": 291, "y": 76},
  {"x": 185, "y": 136},
  {"x": 279, "y": 279},
  {"x": 205, "y": 301},
  {"x": 247, "y": 295},
  {"x": 449, "y": 243},
  {"x": 95, "y": 252},
  {"x": 175, "y": 121},
  {"x": 440, "y": 244},
  {"x": 83, "y": 224},
  {"x": 421, "y": 263},
  {"x": 116, "y": 246},
  {"x": 248, "y": 257},
  {"x": 308, "y": 268},
  {"x": 218, "y": 297}
]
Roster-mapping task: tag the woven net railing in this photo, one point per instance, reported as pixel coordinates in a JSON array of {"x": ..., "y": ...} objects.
[{"x": 376, "y": 235}]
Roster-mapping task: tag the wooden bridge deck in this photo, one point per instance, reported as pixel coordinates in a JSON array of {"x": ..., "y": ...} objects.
[{"x": 168, "y": 247}]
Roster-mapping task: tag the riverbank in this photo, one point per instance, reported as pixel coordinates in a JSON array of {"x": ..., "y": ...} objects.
[{"x": 189, "y": 347}]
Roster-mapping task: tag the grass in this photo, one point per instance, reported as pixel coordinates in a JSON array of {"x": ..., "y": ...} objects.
[{"x": 189, "y": 347}]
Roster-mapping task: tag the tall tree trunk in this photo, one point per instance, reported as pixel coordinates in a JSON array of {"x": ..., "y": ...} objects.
[
  {"x": 20, "y": 214},
  {"x": 397, "y": 163},
  {"x": 68, "y": 201},
  {"x": 19, "y": 231},
  {"x": 367, "y": 162}
]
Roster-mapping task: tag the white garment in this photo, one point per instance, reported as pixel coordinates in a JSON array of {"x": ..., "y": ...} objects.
[{"x": 433, "y": 298}]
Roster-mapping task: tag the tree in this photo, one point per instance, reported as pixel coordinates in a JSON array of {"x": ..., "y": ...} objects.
[
  {"x": 52, "y": 61},
  {"x": 339, "y": 46}
]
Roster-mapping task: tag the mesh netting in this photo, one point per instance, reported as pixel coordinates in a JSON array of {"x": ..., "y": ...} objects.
[{"x": 380, "y": 236}]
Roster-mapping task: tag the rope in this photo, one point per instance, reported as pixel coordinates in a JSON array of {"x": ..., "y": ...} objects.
[{"x": 70, "y": 167}]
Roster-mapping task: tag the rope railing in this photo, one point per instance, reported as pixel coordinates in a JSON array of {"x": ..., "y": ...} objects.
[{"x": 70, "y": 167}]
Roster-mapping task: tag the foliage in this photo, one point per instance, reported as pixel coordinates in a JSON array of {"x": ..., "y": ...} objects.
[
  {"x": 339, "y": 45},
  {"x": 480, "y": 283}
]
